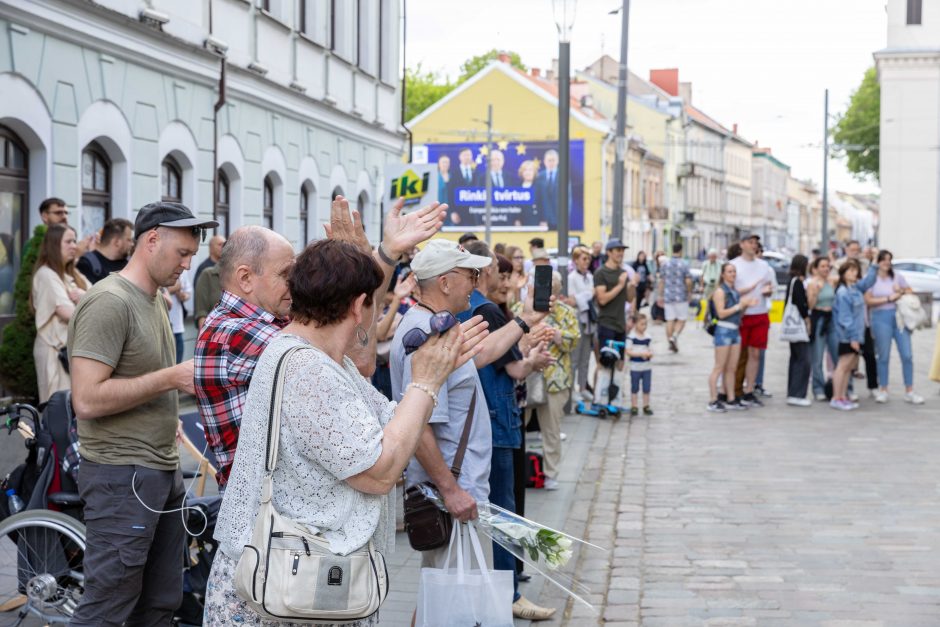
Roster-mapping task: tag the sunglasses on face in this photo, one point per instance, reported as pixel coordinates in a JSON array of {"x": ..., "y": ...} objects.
[
  {"x": 441, "y": 322},
  {"x": 474, "y": 275}
]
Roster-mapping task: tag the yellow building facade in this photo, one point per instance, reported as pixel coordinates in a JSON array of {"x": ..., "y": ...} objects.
[{"x": 525, "y": 109}]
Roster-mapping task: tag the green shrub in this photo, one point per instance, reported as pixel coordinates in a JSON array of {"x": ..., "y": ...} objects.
[{"x": 17, "y": 368}]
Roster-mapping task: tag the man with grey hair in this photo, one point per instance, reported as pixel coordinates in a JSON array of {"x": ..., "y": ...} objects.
[{"x": 254, "y": 306}]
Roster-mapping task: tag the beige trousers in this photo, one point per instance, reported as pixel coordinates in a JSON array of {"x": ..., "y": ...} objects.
[{"x": 550, "y": 414}]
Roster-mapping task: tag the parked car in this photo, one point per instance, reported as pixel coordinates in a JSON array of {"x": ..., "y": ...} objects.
[{"x": 923, "y": 275}]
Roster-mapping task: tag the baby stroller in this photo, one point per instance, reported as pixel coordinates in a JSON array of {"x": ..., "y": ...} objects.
[{"x": 42, "y": 545}]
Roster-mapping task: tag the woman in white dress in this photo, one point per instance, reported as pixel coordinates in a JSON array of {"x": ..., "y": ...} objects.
[
  {"x": 342, "y": 444},
  {"x": 57, "y": 286}
]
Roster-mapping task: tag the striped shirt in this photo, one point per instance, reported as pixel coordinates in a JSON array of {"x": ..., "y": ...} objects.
[{"x": 639, "y": 344}]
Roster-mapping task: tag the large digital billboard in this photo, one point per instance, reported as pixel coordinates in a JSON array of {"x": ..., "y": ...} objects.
[{"x": 524, "y": 179}]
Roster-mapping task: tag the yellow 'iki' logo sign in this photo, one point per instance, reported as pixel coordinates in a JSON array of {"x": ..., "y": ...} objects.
[{"x": 410, "y": 186}]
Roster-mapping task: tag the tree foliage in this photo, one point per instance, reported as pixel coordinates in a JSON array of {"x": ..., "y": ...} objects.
[
  {"x": 857, "y": 131},
  {"x": 17, "y": 368},
  {"x": 474, "y": 64},
  {"x": 422, "y": 89},
  {"x": 425, "y": 87}
]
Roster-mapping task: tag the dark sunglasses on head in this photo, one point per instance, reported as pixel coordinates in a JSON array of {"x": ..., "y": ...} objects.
[{"x": 441, "y": 322}]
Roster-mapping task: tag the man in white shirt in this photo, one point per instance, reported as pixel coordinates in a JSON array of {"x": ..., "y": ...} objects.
[{"x": 754, "y": 276}]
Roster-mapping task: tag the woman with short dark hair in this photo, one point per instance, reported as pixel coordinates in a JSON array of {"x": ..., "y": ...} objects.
[
  {"x": 801, "y": 353},
  {"x": 343, "y": 445}
]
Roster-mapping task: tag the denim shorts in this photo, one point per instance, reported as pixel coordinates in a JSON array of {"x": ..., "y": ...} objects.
[{"x": 727, "y": 337}]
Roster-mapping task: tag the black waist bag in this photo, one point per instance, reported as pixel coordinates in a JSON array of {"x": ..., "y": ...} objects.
[{"x": 428, "y": 527}]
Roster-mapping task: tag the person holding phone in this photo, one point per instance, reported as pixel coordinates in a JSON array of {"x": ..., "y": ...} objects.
[{"x": 611, "y": 293}]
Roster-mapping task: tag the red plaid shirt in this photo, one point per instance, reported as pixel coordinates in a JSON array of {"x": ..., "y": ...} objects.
[{"x": 232, "y": 339}]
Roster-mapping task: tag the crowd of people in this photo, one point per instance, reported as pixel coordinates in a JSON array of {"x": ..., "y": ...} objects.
[
  {"x": 839, "y": 308},
  {"x": 393, "y": 357}
]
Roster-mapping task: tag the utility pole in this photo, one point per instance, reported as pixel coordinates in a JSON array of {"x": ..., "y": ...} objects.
[
  {"x": 564, "y": 144},
  {"x": 616, "y": 231},
  {"x": 489, "y": 179},
  {"x": 824, "y": 250}
]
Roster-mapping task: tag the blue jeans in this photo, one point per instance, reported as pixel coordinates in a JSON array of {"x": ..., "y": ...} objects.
[
  {"x": 884, "y": 328},
  {"x": 502, "y": 494},
  {"x": 759, "y": 379},
  {"x": 178, "y": 337},
  {"x": 822, "y": 344}
]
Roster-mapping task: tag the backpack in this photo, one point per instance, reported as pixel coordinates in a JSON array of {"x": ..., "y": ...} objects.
[
  {"x": 94, "y": 262},
  {"x": 535, "y": 477},
  {"x": 711, "y": 317}
]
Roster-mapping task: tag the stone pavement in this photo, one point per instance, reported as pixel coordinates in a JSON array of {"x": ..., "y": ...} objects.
[{"x": 775, "y": 516}]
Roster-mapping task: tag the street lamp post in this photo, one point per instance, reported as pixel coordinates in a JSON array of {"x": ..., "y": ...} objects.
[
  {"x": 825, "y": 187},
  {"x": 621, "y": 142},
  {"x": 564, "y": 20}
]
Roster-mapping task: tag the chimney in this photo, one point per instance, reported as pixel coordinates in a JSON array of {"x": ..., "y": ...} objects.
[
  {"x": 536, "y": 73},
  {"x": 734, "y": 128},
  {"x": 667, "y": 80},
  {"x": 685, "y": 91},
  {"x": 503, "y": 57}
]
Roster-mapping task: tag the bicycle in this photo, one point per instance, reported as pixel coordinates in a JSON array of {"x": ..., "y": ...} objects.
[{"x": 42, "y": 550}]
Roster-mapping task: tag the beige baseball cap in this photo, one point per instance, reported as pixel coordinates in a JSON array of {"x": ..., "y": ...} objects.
[{"x": 441, "y": 255}]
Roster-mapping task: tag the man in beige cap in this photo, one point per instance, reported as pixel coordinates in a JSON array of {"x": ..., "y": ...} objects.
[{"x": 447, "y": 275}]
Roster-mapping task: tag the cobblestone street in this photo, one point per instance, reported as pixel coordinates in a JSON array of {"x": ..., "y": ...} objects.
[{"x": 775, "y": 516}]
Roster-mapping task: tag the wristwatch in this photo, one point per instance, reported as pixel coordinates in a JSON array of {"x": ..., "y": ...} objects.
[
  {"x": 522, "y": 325},
  {"x": 384, "y": 256}
]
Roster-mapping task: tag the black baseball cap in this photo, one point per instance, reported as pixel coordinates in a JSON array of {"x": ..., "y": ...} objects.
[
  {"x": 537, "y": 242},
  {"x": 751, "y": 235},
  {"x": 169, "y": 214},
  {"x": 614, "y": 243}
]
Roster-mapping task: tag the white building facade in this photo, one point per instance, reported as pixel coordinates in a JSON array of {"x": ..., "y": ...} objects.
[
  {"x": 737, "y": 189},
  {"x": 769, "y": 214},
  {"x": 909, "y": 72},
  {"x": 110, "y": 105}
]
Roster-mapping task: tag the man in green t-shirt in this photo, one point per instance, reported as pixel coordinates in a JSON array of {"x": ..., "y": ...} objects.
[
  {"x": 125, "y": 394},
  {"x": 611, "y": 291}
]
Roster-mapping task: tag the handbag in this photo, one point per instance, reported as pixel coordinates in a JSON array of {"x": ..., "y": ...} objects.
[
  {"x": 793, "y": 327},
  {"x": 428, "y": 526},
  {"x": 286, "y": 573},
  {"x": 464, "y": 595}
]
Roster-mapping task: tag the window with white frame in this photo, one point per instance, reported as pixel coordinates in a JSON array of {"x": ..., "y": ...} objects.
[
  {"x": 345, "y": 24},
  {"x": 368, "y": 39},
  {"x": 315, "y": 20}
]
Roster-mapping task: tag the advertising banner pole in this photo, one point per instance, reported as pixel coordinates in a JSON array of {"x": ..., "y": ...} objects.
[{"x": 489, "y": 179}]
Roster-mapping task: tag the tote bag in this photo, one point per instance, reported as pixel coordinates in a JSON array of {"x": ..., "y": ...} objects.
[
  {"x": 461, "y": 595},
  {"x": 793, "y": 327}
]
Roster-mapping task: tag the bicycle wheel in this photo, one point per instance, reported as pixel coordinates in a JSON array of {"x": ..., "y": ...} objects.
[{"x": 41, "y": 573}]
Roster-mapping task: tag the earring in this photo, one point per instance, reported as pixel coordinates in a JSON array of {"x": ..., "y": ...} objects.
[{"x": 362, "y": 336}]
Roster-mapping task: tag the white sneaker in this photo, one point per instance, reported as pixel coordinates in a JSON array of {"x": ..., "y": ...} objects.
[
  {"x": 853, "y": 397},
  {"x": 821, "y": 398},
  {"x": 799, "y": 402},
  {"x": 914, "y": 398},
  {"x": 563, "y": 436},
  {"x": 880, "y": 396},
  {"x": 551, "y": 484}
]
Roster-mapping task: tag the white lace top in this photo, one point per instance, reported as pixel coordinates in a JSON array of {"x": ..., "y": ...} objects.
[{"x": 331, "y": 429}]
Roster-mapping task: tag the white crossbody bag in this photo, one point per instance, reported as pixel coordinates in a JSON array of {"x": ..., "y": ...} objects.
[
  {"x": 793, "y": 327},
  {"x": 287, "y": 573}
]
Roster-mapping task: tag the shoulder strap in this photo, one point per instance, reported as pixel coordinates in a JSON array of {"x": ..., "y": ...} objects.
[
  {"x": 464, "y": 437},
  {"x": 274, "y": 412},
  {"x": 94, "y": 262}
]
